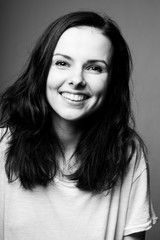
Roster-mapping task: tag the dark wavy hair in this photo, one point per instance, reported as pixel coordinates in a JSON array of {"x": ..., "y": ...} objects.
[{"x": 108, "y": 141}]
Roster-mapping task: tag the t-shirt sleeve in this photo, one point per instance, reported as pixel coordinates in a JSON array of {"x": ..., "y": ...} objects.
[
  {"x": 2, "y": 177},
  {"x": 140, "y": 213}
]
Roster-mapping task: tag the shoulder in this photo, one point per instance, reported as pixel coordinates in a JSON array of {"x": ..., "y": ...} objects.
[
  {"x": 138, "y": 162},
  {"x": 141, "y": 163},
  {"x": 138, "y": 165},
  {"x": 4, "y": 138},
  {"x": 4, "y": 135}
]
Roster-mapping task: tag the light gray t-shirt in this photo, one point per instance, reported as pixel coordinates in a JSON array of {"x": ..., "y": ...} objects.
[{"x": 63, "y": 212}]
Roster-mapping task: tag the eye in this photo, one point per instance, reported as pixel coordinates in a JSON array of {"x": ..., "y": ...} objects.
[
  {"x": 94, "y": 68},
  {"x": 61, "y": 64}
]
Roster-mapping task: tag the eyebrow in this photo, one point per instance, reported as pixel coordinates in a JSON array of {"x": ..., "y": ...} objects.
[
  {"x": 63, "y": 55},
  {"x": 89, "y": 61}
]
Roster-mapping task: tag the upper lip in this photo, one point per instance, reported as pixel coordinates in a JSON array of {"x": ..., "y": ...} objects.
[{"x": 76, "y": 93}]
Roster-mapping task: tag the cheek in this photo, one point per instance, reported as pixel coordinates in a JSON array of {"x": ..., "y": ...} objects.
[
  {"x": 98, "y": 86},
  {"x": 54, "y": 79}
]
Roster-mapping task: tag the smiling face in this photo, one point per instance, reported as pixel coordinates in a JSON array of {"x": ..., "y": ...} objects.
[{"x": 77, "y": 79}]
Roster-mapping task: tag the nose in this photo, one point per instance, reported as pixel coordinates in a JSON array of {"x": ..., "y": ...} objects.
[{"x": 77, "y": 79}]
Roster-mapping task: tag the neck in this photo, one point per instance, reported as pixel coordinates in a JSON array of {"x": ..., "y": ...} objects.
[{"x": 68, "y": 133}]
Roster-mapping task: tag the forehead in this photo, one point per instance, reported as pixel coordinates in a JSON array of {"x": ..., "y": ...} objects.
[{"x": 83, "y": 41}]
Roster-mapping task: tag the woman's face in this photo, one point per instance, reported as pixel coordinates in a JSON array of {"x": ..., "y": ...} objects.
[{"x": 78, "y": 76}]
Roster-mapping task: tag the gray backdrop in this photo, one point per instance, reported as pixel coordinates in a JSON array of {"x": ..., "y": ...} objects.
[{"x": 22, "y": 21}]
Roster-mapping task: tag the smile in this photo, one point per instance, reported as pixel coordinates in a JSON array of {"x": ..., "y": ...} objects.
[{"x": 74, "y": 97}]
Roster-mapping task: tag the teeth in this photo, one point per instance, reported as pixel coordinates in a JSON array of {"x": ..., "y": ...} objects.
[{"x": 73, "y": 97}]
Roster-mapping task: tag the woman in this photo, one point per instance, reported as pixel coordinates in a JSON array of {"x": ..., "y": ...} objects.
[{"x": 74, "y": 165}]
